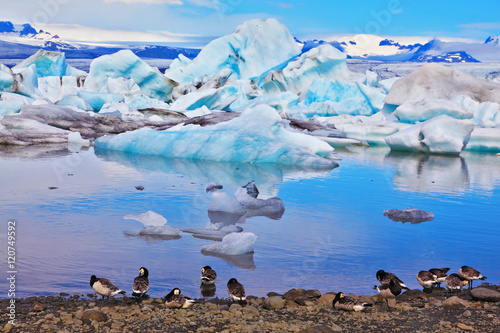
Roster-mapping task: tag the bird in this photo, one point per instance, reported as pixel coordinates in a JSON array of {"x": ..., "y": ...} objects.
[
  {"x": 455, "y": 282},
  {"x": 104, "y": 287},
  {"x": 342, "y": 302},
  {"x": 470, "y": 274},
  {"x": 441, "y": 274},
  {"x": 174, "y": 299},
  {"x": 389, "y": 290},
  {"x": 236, "y": 291},
  {"x": 141, "y": 283},
  {"x": 427, "y": 279},
  {"x": 208, "y": 275},
  {"x": 385, "y": 277}
]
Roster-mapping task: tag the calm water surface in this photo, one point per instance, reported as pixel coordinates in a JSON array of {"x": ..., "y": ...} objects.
[{"x": 333, "y": 235}]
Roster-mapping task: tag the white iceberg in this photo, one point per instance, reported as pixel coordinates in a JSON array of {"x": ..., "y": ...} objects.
[
  {"x": 97, "y": 100},
  {"x": 49, "y": 63},
  {"x": 417, "y": 110},
  {"x": 442, "y": 134},
  {"x": 125, "y": 64},
  {"x": 214, "y": 231},
  {"x": 258, "y": 135},
  {"x": 485, "y": 139},
  {"x": 6, "y": 77},
  {"x": 440, "y": 82},
  {"x": 233, "y": 244},
  {"x": 254, "y": 47},
  {"x": 75, "y": 102},
  {"x": 154, "y": 224}
]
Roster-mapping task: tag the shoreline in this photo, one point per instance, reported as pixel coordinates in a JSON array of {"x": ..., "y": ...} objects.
[{"x": 297, "y": 310}]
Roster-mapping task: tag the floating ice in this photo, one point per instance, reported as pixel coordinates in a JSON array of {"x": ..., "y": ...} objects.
[
  {"x": 412, "y": 215},
  {"x": 75, "y": 102},
  {"x": 11, "y": 103},
  {"x": 233, "y": 244},
  {"x": 125, "y": 64},
  {"x": 154, "y": 224},
  {"x": 97, "y": 100},
  {"x": 6, "y": 77},
  {"x": 49, "y": 63},
  {"x": 485, "y": 139},
  {"x": 223, "y": 202},
  {"x": 414, "y": 110},
  {"x": 258, "y": 136},
  {"x": 25, "y": 81},
  {"x": 440, "y": 82},
  {"x": 324, "y": 62},
  {"x": 253, "y": 48},
  {"x": 76, "y": 138},
  {"x": 442, "y": 134},
  {"x": 213, "y": 231}
]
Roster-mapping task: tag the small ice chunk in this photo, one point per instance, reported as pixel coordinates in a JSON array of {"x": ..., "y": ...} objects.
[
  {"x": 233, "y": 244},
  {"x": 76, "y": 137},
  {"x": 213, "y": 186},
  {"x": 412, "y": 215},
  {"x": 149, "y": 218},
  {"x": 164, "y": 230},
  {"x": 223, "y": 202}
]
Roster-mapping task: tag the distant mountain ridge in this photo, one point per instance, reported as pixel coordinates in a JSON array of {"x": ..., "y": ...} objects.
[{"x": 22, "y": 41}]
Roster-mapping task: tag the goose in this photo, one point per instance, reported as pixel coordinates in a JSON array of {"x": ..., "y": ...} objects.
[
  {"x": 236, "y": 291},
  {"x": 470, "y": 274},
  {"x": 208, "y": 275},
  {"x": 455, "y": 282},
  {"x": 384, "y": 277},
  {"x": 104, "y": 287},
  {"x": 427, "y": 279},
  {"x": 389, "y": 290},
  {"x": 441, "y": 274},
  {"x": 141, "y": 283},
  {"x": 342, "y": 302},
  {"x": 174, "y": 299}
]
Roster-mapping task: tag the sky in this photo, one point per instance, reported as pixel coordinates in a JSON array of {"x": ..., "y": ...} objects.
[{"x": 188, "y": 20}]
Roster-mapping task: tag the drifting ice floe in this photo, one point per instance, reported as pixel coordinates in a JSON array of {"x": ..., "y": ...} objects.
[
  {"x": 49, "y": 63},
  {"x": 441, "y": 134},
  {"x": 154, "y": 224},
  {"x": 257, "y": 136},
  {"x": 214, "y": 231},
  {"x": 233, "y": 244}
]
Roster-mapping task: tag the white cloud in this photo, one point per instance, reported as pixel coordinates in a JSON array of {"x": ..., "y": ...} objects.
[
  {"x": 149, "y": 2},
  {"x": 481, "y": 25}
]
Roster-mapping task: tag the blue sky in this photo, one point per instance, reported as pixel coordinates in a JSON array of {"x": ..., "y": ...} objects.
[{"x": 177, "y": 19}]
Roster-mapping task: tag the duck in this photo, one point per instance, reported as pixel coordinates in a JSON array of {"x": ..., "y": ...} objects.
[
  {"x": 384, "y": 278},
  {"x": 208, "y": 275},
  {"x": 470, "y": 274},
  {"x": 441, "y": 274},
  {"x": 455, "y": 282},
  {"x": 104, "y": 287},
  {"x": 174, "y": 299},
  {"x": 342, "y": 302},
  {"x": 236, "y": 291},
  {"x": 389, "y": 290},
  {"x": 141, "y": 283},
  {"x": 427, "y": 280}
]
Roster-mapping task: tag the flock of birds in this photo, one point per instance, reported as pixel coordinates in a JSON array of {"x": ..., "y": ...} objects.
[
  {"x": 390, "y": 287},
  {"x": 174, "y": 299}
]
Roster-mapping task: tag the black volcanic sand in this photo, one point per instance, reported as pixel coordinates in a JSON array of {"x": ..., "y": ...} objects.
[{"x": 297, "y": 310}]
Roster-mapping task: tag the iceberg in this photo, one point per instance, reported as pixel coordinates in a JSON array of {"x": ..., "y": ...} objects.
[
  {"x": 233, "y": 244},
  {"x": 125, "y": 64},
  {"x": 324, "y": 62},
  {"x": 154, "y": 224},
  {"x": 25, "y": 81},
  {"x": 214, "y": 231},
  {"x": 75, "y": 102},
  {"x": 49, "y": 63},
  {"x": 258, "y": 135},
  {"x": 6, "y": 77},
  {"x": 417, "y": 110},
  {"x": 97, "y": 100},
  {"x": 345, "y": 97},
  {"x": 440, "y": 82},
  {"x": 442, "y": 135},
  {"x": 254, "y": 47},
  {"x": 485, "y": 139}
]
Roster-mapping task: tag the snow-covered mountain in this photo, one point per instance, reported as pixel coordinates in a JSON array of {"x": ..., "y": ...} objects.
[
  {"x": 21, "y": 41},
  {"x": 493, "y": 40},
  {"x": 371, "y": 47}
]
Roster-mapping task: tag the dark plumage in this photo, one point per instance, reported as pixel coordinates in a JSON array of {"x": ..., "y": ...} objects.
[
  {"x": 441, "y": 274},
  {"x": 236, "y": 291},
  {"x": 427, "y": 279},
  {"x": 174, "y": 299},
  {"x": 470, "y": 274},
  {"x": 389, "y": 290},
  {"x": 385, "y": 277},
  {"x": 141, "y": 283},
  {"x": 208, "y": 275},
  {"x": 347, "y": 303},
  {"x": 455, "y": 282},
  {"x": 104, "y": 287}
]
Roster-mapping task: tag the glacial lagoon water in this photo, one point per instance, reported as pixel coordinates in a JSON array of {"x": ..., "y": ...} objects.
[{"x": 69, "y": 206}]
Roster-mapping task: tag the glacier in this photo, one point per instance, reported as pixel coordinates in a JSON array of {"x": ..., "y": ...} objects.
[{"x": 258, "y": 135}]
